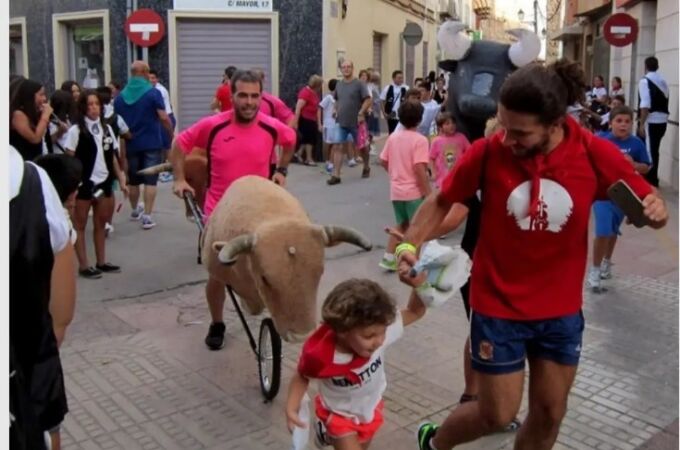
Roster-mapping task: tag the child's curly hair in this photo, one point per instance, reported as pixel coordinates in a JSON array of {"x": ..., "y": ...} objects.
[{"x": 357, "y": 303}]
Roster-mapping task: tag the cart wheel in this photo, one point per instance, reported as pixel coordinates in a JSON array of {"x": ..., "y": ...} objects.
[{"x": 269, "y": 359}]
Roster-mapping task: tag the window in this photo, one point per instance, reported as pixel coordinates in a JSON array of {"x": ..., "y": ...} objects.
[
  {"x": 81, "y": 48},
  {"x": 426, "y": 56},
  {"x": 378, "y": 39},
  {"x": 18, "y": 51}
]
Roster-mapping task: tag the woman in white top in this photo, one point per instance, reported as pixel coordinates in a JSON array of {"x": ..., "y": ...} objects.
[
  {"x": 93, "y": 143},
  {"x": 599, "y": 92},
  {"x": 617, "y": 87}
]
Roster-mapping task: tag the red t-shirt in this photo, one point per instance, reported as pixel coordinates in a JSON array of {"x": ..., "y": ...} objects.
[
  {"x": 236, "y": 149},
  {"x": 531, "y": 266},
  {"x": 311, "y": 103},
  {"x": 223, "y": 95}
]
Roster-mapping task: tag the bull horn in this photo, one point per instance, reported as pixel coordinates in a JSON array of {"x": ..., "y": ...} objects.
[
  {"x": 155, "y": 170},
  {"x": 454, "y": 44},
  {"x": 526, "y": 49},
  {"x": 228, "y": 251},
  {"x": 334, "y": 234}
]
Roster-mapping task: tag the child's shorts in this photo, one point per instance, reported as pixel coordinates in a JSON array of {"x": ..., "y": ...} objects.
[
  {"x": 330, "y": 134},
  {"x": 404, "y": 210},
  {"x": 608, "y": 219},
  {"x": 333, "y": 426}
]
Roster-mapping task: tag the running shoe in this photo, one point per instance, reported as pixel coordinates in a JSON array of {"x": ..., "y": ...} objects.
[
  {"x": 593, "y": 280},
  {"x": 215, "y": 338},
  {"x": 426, "y": 431},
  {"x": 605, "y": 269},
  {"x": 352, "y": 162},
  {"x": 147, "y": 222},
  {"x": 165, "y": 177},
  {"x": 390, "y": 266},
  {"x": 137, "y": 212}
]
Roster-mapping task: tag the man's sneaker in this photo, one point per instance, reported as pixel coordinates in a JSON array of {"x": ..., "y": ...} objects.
[
  {"x": 90, "y": 273},
  {"x": 147, "y": 222},
  {"x": 426, "y": 431},
  {"x": 137, "y": 212},
  {"x": 593, "y": 280},
  {"x": 107, "y": 268},
  {"x": 605, "y": 269},
  {"x": 388, "y": 265},
  {"x": 352, "y": 162},
  {"x": 333, "y": 180},
  {"x": 215, "y": 338}
]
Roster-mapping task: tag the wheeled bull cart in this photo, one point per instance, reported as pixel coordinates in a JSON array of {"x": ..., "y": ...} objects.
[{"x": 267, "y": 349}]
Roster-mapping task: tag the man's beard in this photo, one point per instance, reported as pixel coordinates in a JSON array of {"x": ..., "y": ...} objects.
[
  {"x": 530, "y": 152},
  {"x": 243, "y": 119}
]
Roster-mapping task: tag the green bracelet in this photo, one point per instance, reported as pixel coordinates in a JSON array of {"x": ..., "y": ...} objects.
[{"x": 405, "y": 247}]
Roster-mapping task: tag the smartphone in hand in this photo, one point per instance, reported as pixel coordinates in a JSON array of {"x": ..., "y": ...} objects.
[{"x": 623, "y": 196}]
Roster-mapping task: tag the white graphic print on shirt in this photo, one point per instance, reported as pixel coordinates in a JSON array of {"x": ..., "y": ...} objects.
[
  {"x": 358, "y": 401},
  {"x": 555, "y": 206}
]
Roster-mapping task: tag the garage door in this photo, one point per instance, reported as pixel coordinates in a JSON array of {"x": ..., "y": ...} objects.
[{"x": 205, "y": 48}]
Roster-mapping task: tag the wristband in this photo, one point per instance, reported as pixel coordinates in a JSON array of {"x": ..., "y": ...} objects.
[{"x": 404, "y": 247}]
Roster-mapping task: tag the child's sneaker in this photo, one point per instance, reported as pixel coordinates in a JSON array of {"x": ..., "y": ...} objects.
[
  {"x": 426, "y": 431},
  {"x": 352, "y": 162},
  {"x": 147, "y": 222},
  {"x": 165, "y": 177},
  {"x": 329, "y": 168},
  {"x": 387, "y": 264},
  {"x": 320, "y": 435},
  {"x": 137, "y": 212},
  {"x": 605, "y": 269}
]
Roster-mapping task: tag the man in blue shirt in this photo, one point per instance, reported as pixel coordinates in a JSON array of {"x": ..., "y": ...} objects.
[
  {"x": 608, "y": 216},
  {"x": 143, "y": 109}
]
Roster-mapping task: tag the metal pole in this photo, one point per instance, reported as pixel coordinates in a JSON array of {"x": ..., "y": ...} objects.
[
  {"x": 145, "y": 54},
  {"x": 536, "y": 17}
]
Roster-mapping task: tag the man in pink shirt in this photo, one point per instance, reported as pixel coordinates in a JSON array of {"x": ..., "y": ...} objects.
[{"x": 238, "y": 143}]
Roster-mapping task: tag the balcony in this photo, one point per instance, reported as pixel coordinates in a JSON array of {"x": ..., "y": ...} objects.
[{"x": 588, "y": 7}]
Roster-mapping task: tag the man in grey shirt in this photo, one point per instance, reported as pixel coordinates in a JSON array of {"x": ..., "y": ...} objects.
[{"x": 352, "y": 100}]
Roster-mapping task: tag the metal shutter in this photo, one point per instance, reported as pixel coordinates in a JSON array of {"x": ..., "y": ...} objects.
[{"x": 205, "y": 48}]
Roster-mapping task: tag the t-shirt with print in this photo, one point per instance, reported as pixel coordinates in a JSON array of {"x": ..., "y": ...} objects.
[
  {"x": 349, "y": 95},
  {"x": 142, "y": 118},
  {"x": 99, "y": 172},
  {"x": 311, "y": 103},
  {"x": 402, "y": 151},
  {"x": 236, "y": 149},
  {"x": 358, "y": 401},
  {"x": 631, "y": 146},
  {"x": 533, "y": 243},
  {"x": 328, "y": 107},
  {"x": 444, "y": 152},
  {"x": 223, "y": 95}
]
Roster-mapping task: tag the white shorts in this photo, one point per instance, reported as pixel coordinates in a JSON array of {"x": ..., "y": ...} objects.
[{"x": 330, "y": 134}]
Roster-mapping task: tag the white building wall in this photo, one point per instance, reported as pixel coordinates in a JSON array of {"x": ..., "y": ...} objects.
[{"x": 667, "y": 53}]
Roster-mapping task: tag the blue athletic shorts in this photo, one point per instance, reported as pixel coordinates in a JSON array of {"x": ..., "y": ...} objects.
[
  {"x": 347, "y": 134},
  {"x": 608, "y": 219},
  {"x": 499, "y": 346},
  {"x": 141, "y": 160}
]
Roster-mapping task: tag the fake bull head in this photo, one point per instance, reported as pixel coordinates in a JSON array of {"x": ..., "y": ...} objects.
[
  {"x": 478, "y": 69},
  {"x": 260, "y": 241}
]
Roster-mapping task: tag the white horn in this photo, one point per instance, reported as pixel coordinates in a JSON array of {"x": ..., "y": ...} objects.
[
  {"x": 453, "y": 43},
  {"x": 526, "y": 49}
]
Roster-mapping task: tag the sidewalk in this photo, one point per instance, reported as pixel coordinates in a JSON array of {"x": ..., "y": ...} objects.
[{"x": 138, "y": 375}]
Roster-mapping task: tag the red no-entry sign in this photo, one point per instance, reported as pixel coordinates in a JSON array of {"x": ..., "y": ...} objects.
[
  {"x": 145, "y": 27},
  {"x": 620, "y": 30}
]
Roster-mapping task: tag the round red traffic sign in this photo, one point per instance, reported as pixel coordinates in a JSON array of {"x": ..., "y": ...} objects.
[
  {"x": 620, "y": 29},
  {"x": 145, "y": 27}
]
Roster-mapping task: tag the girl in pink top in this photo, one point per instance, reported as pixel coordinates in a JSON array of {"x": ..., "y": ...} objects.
[{"x": 446, "y": 147}]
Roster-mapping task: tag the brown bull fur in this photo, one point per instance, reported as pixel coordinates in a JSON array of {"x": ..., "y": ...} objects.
[
  {"x": 281, "y": 271},
  {"x": 196, "y": 174}
]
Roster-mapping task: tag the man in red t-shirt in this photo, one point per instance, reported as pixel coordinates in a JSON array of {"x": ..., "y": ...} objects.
[
  {"x": 538, "y": 179},
  {"x": 238, "y": 143},
  {"x": 222, "y": 101}
]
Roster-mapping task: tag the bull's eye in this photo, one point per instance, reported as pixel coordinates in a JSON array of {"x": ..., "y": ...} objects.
[{"x": 265, "y": 281}]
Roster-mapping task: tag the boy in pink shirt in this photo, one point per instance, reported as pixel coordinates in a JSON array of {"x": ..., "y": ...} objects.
[
  {"x": 405, "y": 157},
  {"x": 446, "y": 147}
]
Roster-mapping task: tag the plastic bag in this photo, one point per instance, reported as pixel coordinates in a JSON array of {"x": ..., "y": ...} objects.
[
  {"x": 301, "y": 435},
  {"x": 447, "y": 271}
]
